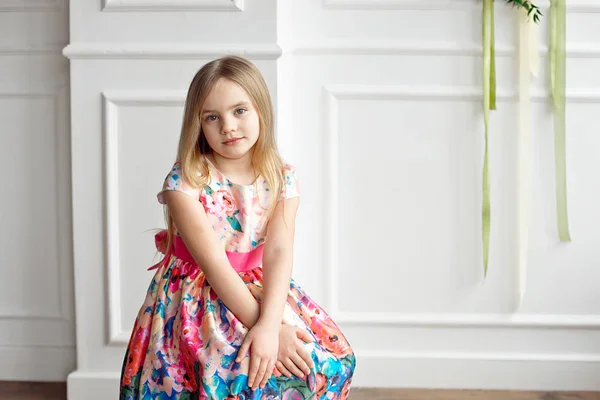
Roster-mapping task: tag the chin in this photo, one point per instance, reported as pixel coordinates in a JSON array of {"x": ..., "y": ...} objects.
[{"x": 234, "y": 153}]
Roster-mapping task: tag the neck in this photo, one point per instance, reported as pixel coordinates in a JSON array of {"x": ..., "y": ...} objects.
[{"x": 238, "y": 166}]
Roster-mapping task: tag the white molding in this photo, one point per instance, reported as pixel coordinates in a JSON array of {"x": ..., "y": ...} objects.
[
  {"x": 439, "y": 320},
  {"x": 25, "y": 6},
  {"x": 331, "y": 149},
  {"x": 358, "y": 91},
  {"x": 25, "y": 51},
  {"x": 25, "y": 94},
  {"x": 580, "y": 6},
  {"x": 145, "y": 97},
  {"x": 447, "y": 371},
  {"x": 380, "y": 5},
  {"x": 92, "y": 385},
  {"x": 169, "y": 51},
  {"x": 334, "y": 93},
  {"x": 112, "y": 101},
  {"x": 172, "y": 5},
  {"x": 544, "y": 374},
  {"x": 61, "y": 314},
  {"x": 426, "y": 48},
  {"x": 477, "y": 356},
  {"x": 64, "y": 202},
  {"x": 36, "y": 363}
]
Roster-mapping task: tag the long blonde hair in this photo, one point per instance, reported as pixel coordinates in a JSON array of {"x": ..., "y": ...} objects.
[{"x": 193, "y": 146}]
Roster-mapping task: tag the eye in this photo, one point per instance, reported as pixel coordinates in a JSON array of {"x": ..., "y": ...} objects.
[
  {"x": 211, "y": 118},
  {"x": 240, "y": 111}
]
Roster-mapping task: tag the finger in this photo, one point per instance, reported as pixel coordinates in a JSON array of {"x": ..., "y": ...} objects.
[
  {"x": 268, "y": 373},
  {"x": 254, "y": 368},
  {"x": 304, "y": 335},
  {"x": 300, "y": 363},
  {"x": 289, "y": 364},
  {"x": 306, "y": 357},
  {"x": 261, "y": 373},
  {"x": 283, "y": 369},
  {"x": 243, "y": 350}
]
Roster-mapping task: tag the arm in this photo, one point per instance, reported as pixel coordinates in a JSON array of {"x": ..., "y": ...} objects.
[
  {"x": 277, "y": 261},
  {"x": 200, "y": 239},
  {"x": 293, "y": 358}
]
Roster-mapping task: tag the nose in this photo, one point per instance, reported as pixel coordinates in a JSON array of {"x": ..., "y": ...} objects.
[{"x": 229, "y": 125}]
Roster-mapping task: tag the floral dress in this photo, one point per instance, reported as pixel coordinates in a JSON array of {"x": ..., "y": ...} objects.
[{"x": 185, "y": 340}]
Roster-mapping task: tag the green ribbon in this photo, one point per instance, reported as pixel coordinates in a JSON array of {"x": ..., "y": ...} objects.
[
  {"x": 489, "y": 103},
  {"x": 558, "y": 61}
]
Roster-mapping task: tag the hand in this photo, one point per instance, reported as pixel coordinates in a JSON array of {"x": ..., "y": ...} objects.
[
  {"x": 293, "y": 358},
  {"x": 262, "y": 341}
]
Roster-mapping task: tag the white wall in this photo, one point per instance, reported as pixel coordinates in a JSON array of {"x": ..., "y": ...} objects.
[
  {"x": 37, "y": 328},
  {"x": 378, "y": 104},
  {"x": 131, "y": 64},
  {"x": 388, "y": 133}
]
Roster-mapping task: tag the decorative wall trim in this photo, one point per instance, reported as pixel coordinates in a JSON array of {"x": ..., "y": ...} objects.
[
  {"x": 439, "y": 320},
  {"x": 478, "y": 356},
  {"x": 37, "y": 363},
  {"x": 148, "y": 51},
  {"x": 581, "y": 6},
  {"x": 61, "y": 313},
  {"x": 112, "y": 102},
  {"x": 397, "y": 4},
  {"x": 64, "y": 225},
  {"x": 362, "y": 92},
  {"x": 172, "y": 5},
  {"x": 380, "y": 370},
  {"x": 168, "y": 51},
  {"x": 26, "y": 6},
  {"x": 334, "y": 93},
  {"x": 544, "y": 374},
  {"x": 416, "y": 48},
  {"x": 40, "y": 50}
]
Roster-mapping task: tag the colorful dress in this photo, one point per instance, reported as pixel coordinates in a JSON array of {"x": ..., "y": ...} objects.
[{"x": 185, "y": 340}]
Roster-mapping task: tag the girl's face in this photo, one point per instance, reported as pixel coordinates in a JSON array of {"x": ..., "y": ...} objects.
[{"x": 229, "y": 120}]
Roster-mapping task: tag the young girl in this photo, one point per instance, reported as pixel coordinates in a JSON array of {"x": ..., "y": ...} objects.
[{"x": 222, "y": 317}]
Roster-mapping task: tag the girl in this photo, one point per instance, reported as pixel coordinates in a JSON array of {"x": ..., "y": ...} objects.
[{"x": 222, "y": 317}]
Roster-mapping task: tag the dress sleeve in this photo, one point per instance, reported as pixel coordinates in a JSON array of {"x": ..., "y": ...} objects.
[
  {"x": 291, "y": 185},
  {"x": 174, "y": 181}
]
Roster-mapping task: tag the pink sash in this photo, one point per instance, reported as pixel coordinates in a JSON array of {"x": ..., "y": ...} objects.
[{"x": 241, "y": 262}]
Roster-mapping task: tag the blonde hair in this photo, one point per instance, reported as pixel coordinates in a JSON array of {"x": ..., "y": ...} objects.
[{"x": 193, "y": 145}]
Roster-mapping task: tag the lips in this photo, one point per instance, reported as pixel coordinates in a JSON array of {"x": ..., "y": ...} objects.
[{"x": 232, "y": 141}]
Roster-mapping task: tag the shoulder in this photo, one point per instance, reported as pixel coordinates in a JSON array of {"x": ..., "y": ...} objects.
[
  {"x": 174, "y": 178},
  {"x": 290, "y": 186},
  {"x": 288, "y": 168},
  {"x": 175, "y": 181}
]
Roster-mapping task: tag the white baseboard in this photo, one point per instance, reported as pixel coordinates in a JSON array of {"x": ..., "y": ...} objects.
[
  {"x": 448, "y": 373},
  {"x": 93, "y": 385},
  {"x": 36, "y": 363},
  {"x": 392, "y": 372}
]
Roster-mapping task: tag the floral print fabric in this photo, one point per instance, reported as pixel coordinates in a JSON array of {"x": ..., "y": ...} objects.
[{"x": 185, "y": 340}]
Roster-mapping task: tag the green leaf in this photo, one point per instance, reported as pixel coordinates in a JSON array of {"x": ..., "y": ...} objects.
[
  {"x": 529, "y": 7},
  {"x": 208, "y": 190},
  {"x": 235, "y": 224}
]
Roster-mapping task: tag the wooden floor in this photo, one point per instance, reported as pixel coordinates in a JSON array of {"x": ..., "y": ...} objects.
[{"x": 57, "y": 391}]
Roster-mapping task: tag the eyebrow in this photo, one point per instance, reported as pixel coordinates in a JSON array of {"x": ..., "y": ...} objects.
[{"x": 242, "y": 103}]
